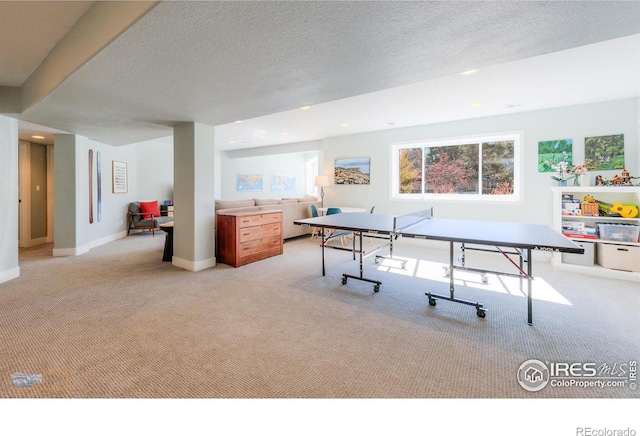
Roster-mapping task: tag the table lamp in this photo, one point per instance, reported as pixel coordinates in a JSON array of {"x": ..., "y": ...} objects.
[{"x": 322, "y": 181}]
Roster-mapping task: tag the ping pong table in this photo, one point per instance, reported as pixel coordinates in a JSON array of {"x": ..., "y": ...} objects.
[{"x": 507, "y": 238}]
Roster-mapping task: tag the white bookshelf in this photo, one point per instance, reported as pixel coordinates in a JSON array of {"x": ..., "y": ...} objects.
[{"x": 608, "y": 194}]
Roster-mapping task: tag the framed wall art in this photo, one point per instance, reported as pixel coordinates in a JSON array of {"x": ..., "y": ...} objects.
[
  {"x": 605, "y": 152},
  {"x": 283, "y": 183},
  {"x": 119, "y": 178},
  {"x": 352, "y": 171},
  {"x": 553, "y": 152},
  {"x": 249, "y": 182}
]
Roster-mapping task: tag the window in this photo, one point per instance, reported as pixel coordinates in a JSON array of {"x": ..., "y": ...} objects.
[
  {"x": 310, "y": 174},
  {"x": 471, "y": 168}
]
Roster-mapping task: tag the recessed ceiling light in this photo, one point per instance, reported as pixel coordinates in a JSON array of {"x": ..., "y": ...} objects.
[
  {"x": 476, "y": 105},
  {"x": 37, "y": 137},
  {"x": 238, "y": 122},
  {"x": 468, "y": 72},
  {"x": 391, "y": 123},
  {"x": 247, "y": 143},
  {"x": 305, "y": 108},
  {"x": 344, "y": 125},
  {"x": 232, "y": 142},
  {"x": 285, "y": 133}
]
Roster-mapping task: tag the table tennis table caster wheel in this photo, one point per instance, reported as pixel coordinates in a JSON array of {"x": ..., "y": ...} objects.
[
  {"x": 376, "y": 288},
  {"x": 481, "y": 313},
  {"x": 446, "y": 271},
  {"x": 485, "y": 279},
  {"x": 432, "y": 302},
  {"x": 344, "y": 280}
]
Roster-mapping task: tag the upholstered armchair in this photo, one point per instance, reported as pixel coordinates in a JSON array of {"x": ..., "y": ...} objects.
[{"x": 145, "y": 216}]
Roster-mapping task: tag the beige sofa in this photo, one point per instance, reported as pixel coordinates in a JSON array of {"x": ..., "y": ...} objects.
[{"x": 292, "y": 208}]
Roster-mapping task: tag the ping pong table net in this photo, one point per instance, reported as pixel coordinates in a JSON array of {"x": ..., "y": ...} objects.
[{"x": 403, "y": 222}]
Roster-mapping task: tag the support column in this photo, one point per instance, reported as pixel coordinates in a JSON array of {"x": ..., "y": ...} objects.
[
  {"x": 68, "y": 239},
  {"x": 9, "y": 268},
  {"x": 193, "y": 179}
]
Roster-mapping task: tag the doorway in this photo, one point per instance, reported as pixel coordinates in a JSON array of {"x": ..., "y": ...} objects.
[{"x": 35, "y": 194}]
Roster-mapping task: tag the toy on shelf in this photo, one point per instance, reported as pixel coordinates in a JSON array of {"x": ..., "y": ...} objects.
[
  {"x": 608, "y": 209},
  {"x": 617, "y": 180}
]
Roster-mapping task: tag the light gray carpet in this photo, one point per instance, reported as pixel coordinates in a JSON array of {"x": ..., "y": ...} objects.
[{"x": 119, "y": 322}]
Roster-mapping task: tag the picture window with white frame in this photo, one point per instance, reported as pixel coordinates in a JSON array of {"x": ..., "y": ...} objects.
[{"x": 471, "y": 168}]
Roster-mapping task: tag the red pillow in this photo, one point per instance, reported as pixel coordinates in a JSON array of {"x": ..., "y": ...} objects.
[{"x": 148, "y": 208}]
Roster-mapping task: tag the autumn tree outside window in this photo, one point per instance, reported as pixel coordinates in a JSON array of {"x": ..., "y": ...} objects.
[{"x": 470, "y": 168}]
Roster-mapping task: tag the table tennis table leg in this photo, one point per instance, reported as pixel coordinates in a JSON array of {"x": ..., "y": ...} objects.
[
  {"x": 451, "y": 285},
  {"x": 480, "y": 310},
  {"x": 345, "y": 277},
  {"x": 323, "y": 242},
  {"x": 529, "y": 287}
]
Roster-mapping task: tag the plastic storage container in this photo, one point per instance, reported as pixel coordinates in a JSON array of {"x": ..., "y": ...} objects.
[{"x": 618, "y": 232}]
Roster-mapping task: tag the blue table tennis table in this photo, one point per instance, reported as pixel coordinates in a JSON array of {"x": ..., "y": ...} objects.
[{"x": 506, "y": 238}]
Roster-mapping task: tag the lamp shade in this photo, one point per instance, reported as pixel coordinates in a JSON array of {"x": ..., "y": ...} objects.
[{"x": 322, "y": 181}]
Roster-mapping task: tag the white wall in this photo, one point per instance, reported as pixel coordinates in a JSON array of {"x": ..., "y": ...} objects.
[
  {"x": 114, "y": 206},
  {"x": 576, "y": 122},
  {"x": 292, "y": 164},
  {"x": 9, "y": 199},
  {"x": 154, "y": 175}
]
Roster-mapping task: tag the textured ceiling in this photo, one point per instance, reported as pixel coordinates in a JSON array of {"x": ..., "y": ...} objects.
[
  {"x": 29, "y": 31},
  {"x": 216, "y": 62}
]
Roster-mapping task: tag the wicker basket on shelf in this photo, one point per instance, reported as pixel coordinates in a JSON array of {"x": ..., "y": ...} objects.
[{"x": 589, "y": 208}]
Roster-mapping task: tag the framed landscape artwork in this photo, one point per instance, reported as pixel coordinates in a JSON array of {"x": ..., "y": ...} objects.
[
  {"x": 605, "y": 152},
  {"x": 352, "y": 171},
  {"x": 553, "y": 152}
]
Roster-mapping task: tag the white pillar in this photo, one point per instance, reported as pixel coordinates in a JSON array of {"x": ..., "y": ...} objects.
[
  {"x": 71, "y": 199},
  {"x": 9, "y": 268},
  {"x": 193, "y": 179}
]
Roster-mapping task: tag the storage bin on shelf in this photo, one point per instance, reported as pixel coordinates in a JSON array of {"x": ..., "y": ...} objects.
[
  {"x": 618, "y": 232},
  {"x": 588, "y": 258},
  {"x": 589, "y": 208},
  {"x": 619, "y": 257}
]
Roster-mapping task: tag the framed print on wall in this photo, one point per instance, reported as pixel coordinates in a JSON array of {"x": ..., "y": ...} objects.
[
  {"x": 553, "y": 152},
  {"x": 283, "y": 183},
  {"x": 352, "y": 171},
  {"x": 249, "y": 182},
  {"x": 605, "y": 152},
  {"x": 119, "y": 177}
]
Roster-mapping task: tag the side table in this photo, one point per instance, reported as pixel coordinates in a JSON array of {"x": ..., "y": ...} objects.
[{"x": 167, "y": 255}]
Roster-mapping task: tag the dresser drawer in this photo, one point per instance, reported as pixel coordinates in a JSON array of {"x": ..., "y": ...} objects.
[
  {"x": 258, "y": 245},
  {"x": 258, "y": 219},
  {"x": 248, "y": 236},
  {"x": 257, "y": 232}
]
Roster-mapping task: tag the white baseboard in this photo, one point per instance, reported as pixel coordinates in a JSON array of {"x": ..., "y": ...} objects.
[
  {"x": 76, "y": 251},
  {"x": 107, "y": 239},
  {"x": 190, "y": 265},
  {"x": 11, "y": 274}
]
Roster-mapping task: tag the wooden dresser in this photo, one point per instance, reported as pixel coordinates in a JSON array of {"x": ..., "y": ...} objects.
[{"x": 249, "y": 236}]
